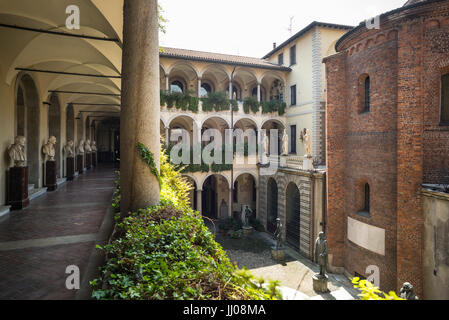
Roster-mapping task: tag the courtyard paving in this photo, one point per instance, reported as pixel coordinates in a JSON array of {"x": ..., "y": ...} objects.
[
  {"x": 294, "y": 274},
  {"x": 57, "y": 230}
]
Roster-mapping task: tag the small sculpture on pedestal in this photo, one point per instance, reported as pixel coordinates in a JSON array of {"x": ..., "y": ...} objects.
[
  {"x": 94, "y": 153},
  {"x": 50, "y": 166},
  {"x": 308, "y": 159},
  {"x": 266, "y": 144},
  {"x": 285, "y": 143},
  {"x": 80, "y": 157},
  {"x": 87, "y": 147},
  {"x": 17, "y": 152},
  {"x": 49, "y": 148},
  {"x": 407, "y": 292},
  {"x": 278, "y": 252},
  {"x": 81, "y": 147},
  {"x": 308, "y": 143},
  {"x": 246, "y": 214},
  {"x": 18, "y": 175},
  {"x": 321, "y": 252},
  {"x": 70, "y": 152}
]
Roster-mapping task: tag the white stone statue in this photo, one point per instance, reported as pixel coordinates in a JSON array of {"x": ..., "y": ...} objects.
[
  {"x": 266, "y": 144},
  {"x": 94, "y": 146},
  {"x": 308, "y": 143},
  {"x": 17, "y": 151},
  {"x": 285, "y": 143},
  {"x": 81, "y": 147},
  {"x": 49, "y": 148},
  {"x": 87, "y": 146},
  {"x": 69, "y": 149}
]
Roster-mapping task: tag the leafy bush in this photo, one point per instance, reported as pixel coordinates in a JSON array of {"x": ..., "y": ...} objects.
[
  {"x": 166, "y": 252},
  {"x": 370, "y": 292},
  {"x": 250, "y": 103},
  {"x": 217, "y": 101},
  {"x": 182, "y": 101}
]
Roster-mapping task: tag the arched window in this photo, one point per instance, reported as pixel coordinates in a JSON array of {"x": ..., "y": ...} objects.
[
  {"x": 367, "y": 198},
  {"x": 176, "y": 86},
  {"x": 445, "y": 99},
  {"x": 367, "y": 94},
  {"x": 364, "y": 94},
  {"x": 205, "y": 89}
]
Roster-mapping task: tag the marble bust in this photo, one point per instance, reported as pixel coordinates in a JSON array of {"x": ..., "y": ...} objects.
[
  {"x": 81, "y": 147},
  {"x": 49, "y": 148},
  {"x": 87, "y": 146},
  {"x": 94, "y": 146},
  {"x": 69, "y": 149},
  {"x": 17, "y": 151},
  {"x": 285, "y": 143},
  {"x": 308, "y": 143}
]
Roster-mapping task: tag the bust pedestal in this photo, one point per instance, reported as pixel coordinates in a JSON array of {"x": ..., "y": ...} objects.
[
  {"x": 50, "y": 175},
  {"x": 94, "y": 159},
  {"x": 278, "y": 254},
  {"x": 18, "y": 188},
  {"x": 88, "y": 160},
  {"x": 70, "y": 168},
  {"x": 320, "y": 283},
  {"x": 79, "y": 164}
]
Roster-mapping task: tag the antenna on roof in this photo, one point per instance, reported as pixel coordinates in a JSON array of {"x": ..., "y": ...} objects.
[{"x": 290, "y": 28}]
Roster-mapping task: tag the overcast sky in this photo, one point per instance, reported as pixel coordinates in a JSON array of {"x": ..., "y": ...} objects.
[{"x": 249, "y": 27}]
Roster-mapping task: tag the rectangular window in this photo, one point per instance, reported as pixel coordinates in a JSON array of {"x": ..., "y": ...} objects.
[
  {"x": 445, "y": 99},
  {"x": 293, "y": 139},
  {"x": 293, "y": 95},
  {"x": 281, "y": 59},
  {"x": 293, "y": 55}
]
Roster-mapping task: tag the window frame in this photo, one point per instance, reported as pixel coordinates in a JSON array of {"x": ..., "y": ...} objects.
[
  {"x": 295, "y": 95},
  {"x": 443, "y": 103},
  {"x": 281, "y": 59},
  {"x": 293, "y": 54},
  {"x": 293, "y": 141}
]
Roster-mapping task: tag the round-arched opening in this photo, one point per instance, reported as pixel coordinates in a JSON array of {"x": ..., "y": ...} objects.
[
  {"x": 245, "y": 192},
  {"x": 272, "y": 205},
  {"x": 215, "y": 197},
  {"x": 28, "y": 124},
  {"x": 293, "y": 214},
  {"x": 54, "y": 129}
]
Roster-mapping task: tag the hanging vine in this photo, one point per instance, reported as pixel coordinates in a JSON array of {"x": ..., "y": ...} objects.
[{"x": 148, "y": 157}]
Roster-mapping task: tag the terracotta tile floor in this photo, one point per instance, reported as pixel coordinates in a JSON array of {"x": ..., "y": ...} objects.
[{"x": 36, "y": 270}]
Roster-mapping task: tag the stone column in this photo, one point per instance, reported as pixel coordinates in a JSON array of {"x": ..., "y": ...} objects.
[
  {"x": 167, "y": 136},
  {"x": 167, "y": 84},
  {"x": 230, "y": 90},
  {"x": 230, "y": 211},
  {"x": 199, "y": 87},
  {"x": 140, "y": 117},
  {"x": 257, "y": 203},
  {"x": 199, "y": 199},
  {"x": 258, "y": 92}
]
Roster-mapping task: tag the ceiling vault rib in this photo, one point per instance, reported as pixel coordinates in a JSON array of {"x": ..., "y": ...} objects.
[
  {"x": 94, "y": 104},
  {"x": 58, "y": 33},
  {"x": 69, "y": 73},
  {"x": 87, "y": 93}
]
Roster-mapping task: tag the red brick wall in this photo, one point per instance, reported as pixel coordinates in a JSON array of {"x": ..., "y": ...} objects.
[{"x": 395, "y": 147}]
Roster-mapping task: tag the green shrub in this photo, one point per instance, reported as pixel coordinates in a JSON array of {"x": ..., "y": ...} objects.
[
  {"x": 166, "y": 252},
  {"x": 370, "y": 292},
  {"x": 250, "y": 103}
]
